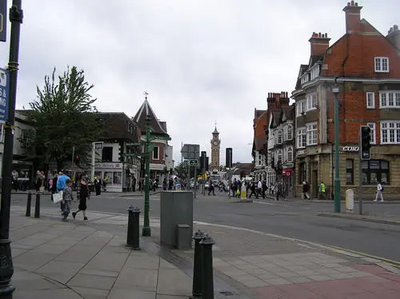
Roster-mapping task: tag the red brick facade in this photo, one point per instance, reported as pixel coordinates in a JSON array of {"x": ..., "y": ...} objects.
[{"x": 351, "y": 61}]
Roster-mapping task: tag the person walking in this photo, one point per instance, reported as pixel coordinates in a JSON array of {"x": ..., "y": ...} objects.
[
  {"x": 252, "y": 189},
  {"x": 82, "y": 194},
  {"x": 211, "y": 187},
  {"x": 62, "y": 184},
  {"x": 279, "y": 191},
  {"x": 134, "y": 184},
  {"x": 67, "y": 199},
  {"x": 306, "y": 188},
  {"x": 379, "y": 192},
  {"x": 322, "y": 191}
]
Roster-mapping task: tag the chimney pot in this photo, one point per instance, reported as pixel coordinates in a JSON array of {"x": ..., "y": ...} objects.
[
  {"x": 348, "y": 3},
  {"x": 352, "y": 2},
  {"x": 395, "y": 27},
  {"x": 356, "y": 3}
]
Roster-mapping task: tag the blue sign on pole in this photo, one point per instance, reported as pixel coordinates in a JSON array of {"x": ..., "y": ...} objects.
[
  {"x": 4, "y": 88},
  {"x": 3, "y": 20}
]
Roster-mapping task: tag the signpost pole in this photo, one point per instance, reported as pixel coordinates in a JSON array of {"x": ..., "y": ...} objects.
[
  {"x": 195, "y": 180},
  {"x": 146, "y": 231},
  {"x": 6, "y": 263},
  {"x": 360, "y": 177}
]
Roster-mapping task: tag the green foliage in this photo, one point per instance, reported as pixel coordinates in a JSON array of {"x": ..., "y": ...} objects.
[{"x": 63, "y": 117}]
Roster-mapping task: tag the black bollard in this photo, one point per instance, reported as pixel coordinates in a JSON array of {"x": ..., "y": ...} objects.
[
  {"x": 208, "y": 276},
  {"x": 28, "y": 205},
  {"x": 133, "y": 235},
  {"x": 197, "y": 267},
  {"x": 37, "y": 206}
]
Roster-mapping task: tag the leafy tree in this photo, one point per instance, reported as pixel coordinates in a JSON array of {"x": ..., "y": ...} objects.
[{"x": 63, "y": 117}]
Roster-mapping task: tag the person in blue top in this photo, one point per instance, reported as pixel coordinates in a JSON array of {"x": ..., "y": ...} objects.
[
  {"x": 62, "y": 184},
  {"x": 62, "y": 181}
]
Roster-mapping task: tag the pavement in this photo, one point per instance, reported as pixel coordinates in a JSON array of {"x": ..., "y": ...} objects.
[{"x": 77, "y": 259}]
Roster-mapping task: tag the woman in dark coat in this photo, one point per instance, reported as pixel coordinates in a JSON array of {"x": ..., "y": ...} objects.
[{"x": 82, "y": 195}]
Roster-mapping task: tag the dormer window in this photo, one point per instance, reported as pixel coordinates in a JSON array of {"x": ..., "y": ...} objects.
[{"x": 381, "y": 64}]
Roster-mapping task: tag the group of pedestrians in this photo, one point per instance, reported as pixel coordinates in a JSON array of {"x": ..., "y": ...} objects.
[{"x": 63, "y": 183}]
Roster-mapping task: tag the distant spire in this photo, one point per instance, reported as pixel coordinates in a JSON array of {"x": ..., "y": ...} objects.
[{"x": 145, "y": 94}]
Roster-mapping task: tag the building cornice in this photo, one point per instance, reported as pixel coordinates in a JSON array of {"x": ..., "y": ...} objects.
[{"x": 343, "y": 80}]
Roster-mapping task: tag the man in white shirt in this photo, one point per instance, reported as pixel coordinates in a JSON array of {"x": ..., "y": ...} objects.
[{"x": 379, "y": 192}]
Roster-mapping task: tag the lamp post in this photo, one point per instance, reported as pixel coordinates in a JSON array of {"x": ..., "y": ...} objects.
[
  {"x": 337, "y": 198},
  {"x": 146, "y": 231},
  {"x": 6, "y": 264}
]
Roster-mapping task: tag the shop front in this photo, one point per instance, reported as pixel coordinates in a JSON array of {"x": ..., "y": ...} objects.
[
  {"x": 287, "y": 180},
  {"x": 112, "y": 174}
]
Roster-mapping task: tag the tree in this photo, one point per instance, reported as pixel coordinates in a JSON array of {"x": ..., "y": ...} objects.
[{"x": 63, "y": 118}]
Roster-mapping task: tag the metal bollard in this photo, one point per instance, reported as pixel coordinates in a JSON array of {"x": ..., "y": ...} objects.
[
  {"x": 37, "y": 206},
  {"x": 197, "y": 267},
  {"x": 133, "y": 235},
  {"x": 28, "y": 205},
  {"x": 208, "y": 276}
]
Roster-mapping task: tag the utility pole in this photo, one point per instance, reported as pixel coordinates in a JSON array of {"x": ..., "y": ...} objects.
[
  {"x": 337, "y": 197},
  {"x": 6, "y": 263}
]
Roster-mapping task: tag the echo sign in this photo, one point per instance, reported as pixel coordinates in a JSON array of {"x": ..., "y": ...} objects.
[{"x": 351, "y": 148}]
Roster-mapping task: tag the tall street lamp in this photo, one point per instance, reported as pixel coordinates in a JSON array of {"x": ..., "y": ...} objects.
[
  {"x": 6, "y": 263},
  {"x": 336, "y": 90}
]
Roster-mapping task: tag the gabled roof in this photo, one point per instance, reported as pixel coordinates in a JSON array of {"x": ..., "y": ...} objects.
[
  {"x": 303, "y": 68},
  {"x": 158, "y": 128},
  {"x": 288, "y": 112}
]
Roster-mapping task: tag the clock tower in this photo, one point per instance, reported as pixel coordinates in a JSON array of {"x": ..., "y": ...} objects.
[{"x": 215, "y": 150}]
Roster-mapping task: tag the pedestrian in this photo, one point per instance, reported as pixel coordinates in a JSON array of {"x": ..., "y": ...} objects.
[
  {"x": 252, "y": 189},
  {"x": 82, "y": 194},
  {"x": 379, "y": 192},
  {"x": 322, "y": 191},
  {"x": 306, "y": 188},
  {"x": 165, "y": 184},
  {"x": 211, "y": 187},
  {"x": 279, "y": 191},
  {"x": 97, "y": 185},
  {"x": 62, "y": 184},
  {"x": 134, "y": 184},
  {"x": 14, "y": 175},
  {"x": 67, "y": 199}
]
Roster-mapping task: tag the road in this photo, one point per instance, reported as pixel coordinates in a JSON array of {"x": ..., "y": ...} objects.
[{"x": 297, "y": 220}]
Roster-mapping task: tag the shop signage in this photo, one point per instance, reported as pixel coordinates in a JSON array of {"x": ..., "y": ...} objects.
[
  {"x": 287, "y": 172},
  {"x": 108, "y": 165},
  {"x": 351, "y": 148}
]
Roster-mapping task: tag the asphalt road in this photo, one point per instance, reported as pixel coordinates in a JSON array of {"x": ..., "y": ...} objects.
[{"x": 290, "y": 219}]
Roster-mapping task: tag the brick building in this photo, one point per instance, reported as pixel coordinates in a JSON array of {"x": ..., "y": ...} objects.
[
  {"x": 259, "y": 151},
  {"x": 366, "y": 66}
]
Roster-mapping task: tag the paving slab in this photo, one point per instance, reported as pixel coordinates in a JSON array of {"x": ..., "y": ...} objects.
[
  {"x": 174, "y": 282},
  {"x": 137, "y": 279},
  {"x": 88, "y": 293},
  {"x": 92, "y": 281}
]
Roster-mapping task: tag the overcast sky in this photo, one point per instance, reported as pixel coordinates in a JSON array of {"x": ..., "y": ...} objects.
[{"x": 201, "y": 61}]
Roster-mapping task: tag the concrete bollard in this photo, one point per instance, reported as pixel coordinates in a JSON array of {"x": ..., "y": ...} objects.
[
  {"x": 207, "y": 269},
  {"x": 28, "y": 205},
  {"x": 197, "y": 267},
  {"x": 133, "y": 237},
  {"x": 37, "y": 206}
]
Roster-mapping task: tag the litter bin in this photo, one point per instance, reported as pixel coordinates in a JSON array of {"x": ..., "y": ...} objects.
[{"x": 176, "y": 211}]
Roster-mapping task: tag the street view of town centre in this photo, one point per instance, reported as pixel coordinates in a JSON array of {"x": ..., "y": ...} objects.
[{"x": 199, "y": 149}]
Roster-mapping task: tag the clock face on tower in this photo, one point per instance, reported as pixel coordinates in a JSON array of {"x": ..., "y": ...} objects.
[{"x": 215, "y": 142}]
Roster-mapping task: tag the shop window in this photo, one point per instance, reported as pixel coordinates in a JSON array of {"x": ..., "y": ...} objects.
[
  {"x": 107, "y": 154},
  {"x": 374, "y": 171},
  {"x": 302, "y": 173},
  {"x": 349, "y": 172}
]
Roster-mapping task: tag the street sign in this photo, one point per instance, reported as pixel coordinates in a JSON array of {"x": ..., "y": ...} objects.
[
  {"x": 98, "y": 145},
  {"x": 193, "y": 162},
  {"x": 134, "y": 143},
  {"x": 4, "y": 88},
  {"x": 190, "y": 151},
  {"x": 3, "y": 20}
]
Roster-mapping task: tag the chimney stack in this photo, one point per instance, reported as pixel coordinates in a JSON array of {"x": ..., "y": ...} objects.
[
  {"x": 319, "y": 43},
  {"x": 353, "y": 17},
  {"x": 394, "y": 36},
  {"x": 271, "y": 101}
]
